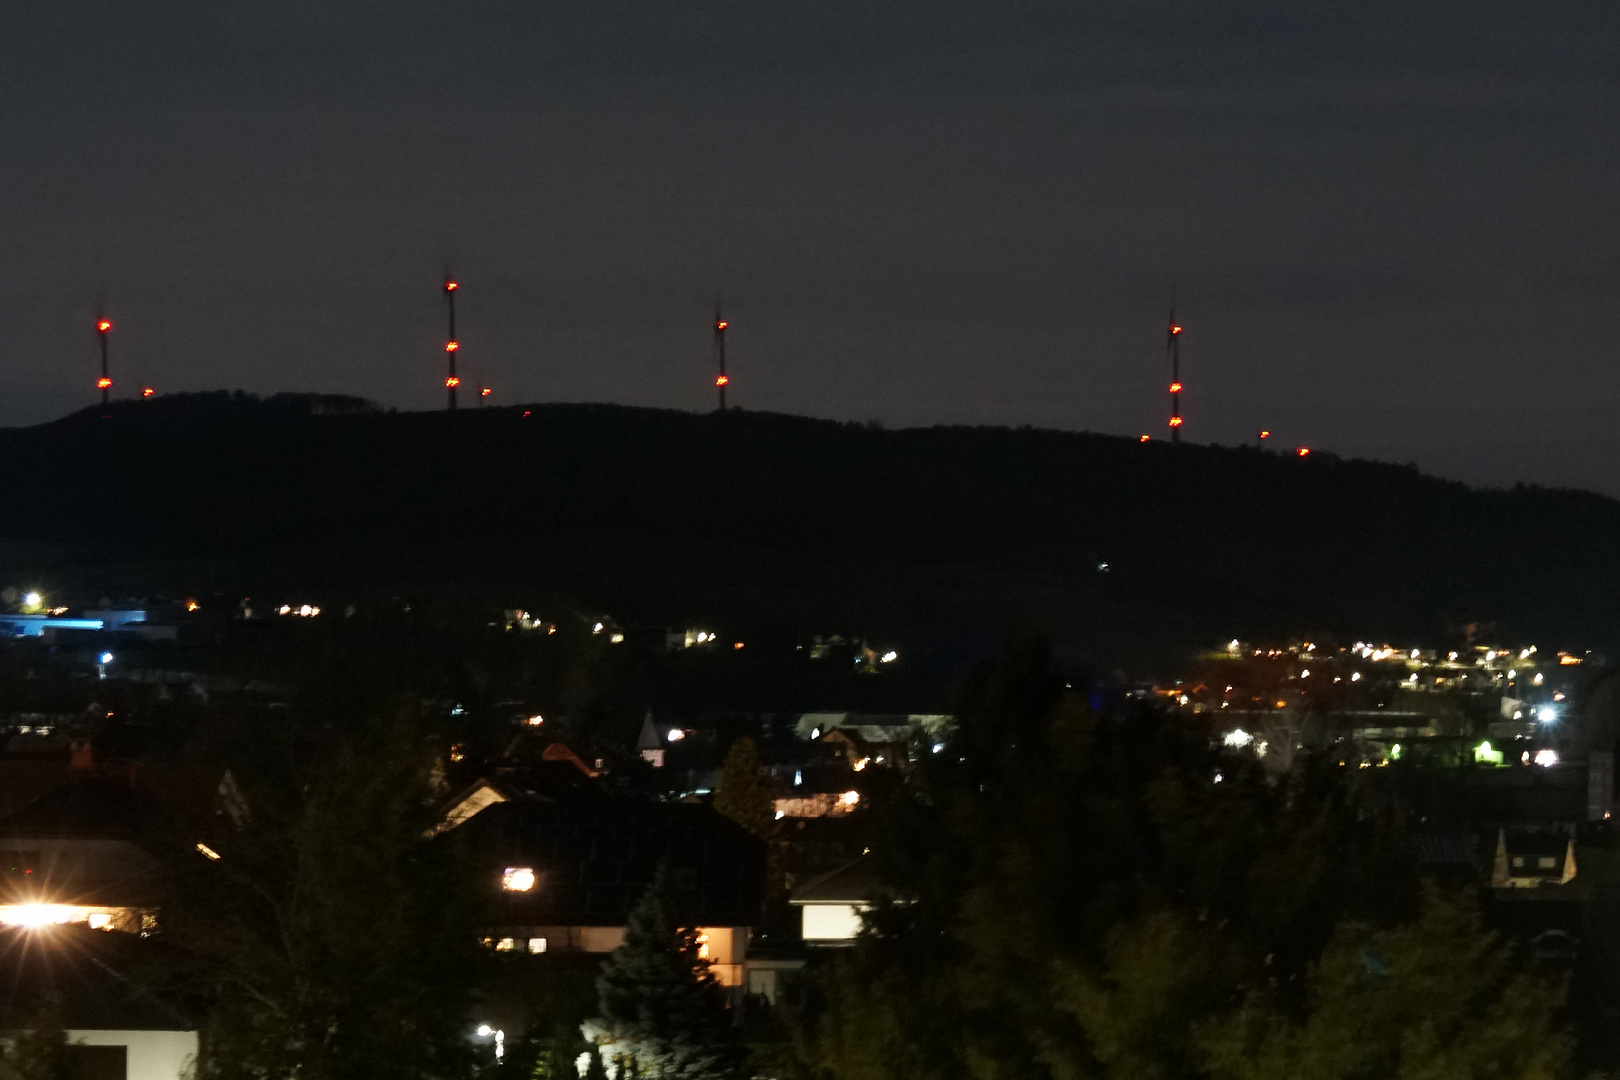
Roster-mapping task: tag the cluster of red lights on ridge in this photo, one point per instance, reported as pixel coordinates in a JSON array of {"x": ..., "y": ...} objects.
[{"x": 104, "y": 383}]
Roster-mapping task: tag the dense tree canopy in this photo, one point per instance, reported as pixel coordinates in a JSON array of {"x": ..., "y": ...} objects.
[
  {"x": 335, "y": 936},
  {"x": 1104, "y": 895}
]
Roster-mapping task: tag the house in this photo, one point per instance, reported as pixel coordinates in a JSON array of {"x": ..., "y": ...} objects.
[
  {"x": 94, "y": 849},
  {"x": 1533, "y": 860},
  {"x": 567, "y": 866},
  {"x": 831, "y": 906},
  {"x": 81, "y": 980}
]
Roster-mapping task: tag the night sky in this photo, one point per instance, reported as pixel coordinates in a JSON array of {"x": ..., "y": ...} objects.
[{"x": 1394, "y": 226}]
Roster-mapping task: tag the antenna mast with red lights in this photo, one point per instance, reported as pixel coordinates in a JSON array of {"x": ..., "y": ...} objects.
[
  {"x": 451, "y": 345},
  {"x": 1173, "y": 350},
  {"x": 104, "y": 384},
  {"x": 721, "y": 380}
]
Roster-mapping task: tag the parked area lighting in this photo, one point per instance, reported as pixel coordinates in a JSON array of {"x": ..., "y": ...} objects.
[
  {"x": 39, "y": 916},
  {"x": 484, "y": 1031},
  {"x": 518, "y": 878},
  {"x": 32, "y": 600},
  {"x": 1237, "y": 738}
]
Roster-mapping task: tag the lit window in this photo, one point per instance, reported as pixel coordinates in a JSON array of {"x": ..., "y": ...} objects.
[
  {"x": 517, "y": 879},
  {"x": 537, "y": 945},
  {"x": 99, "y": 920},
  {"x": 1518, "y": 862},
  {"x": 1546, "y": 862},
  {"x": 506, "y": 944}
]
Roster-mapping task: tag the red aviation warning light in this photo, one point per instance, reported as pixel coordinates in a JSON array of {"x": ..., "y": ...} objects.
[
  {"x": 1175, "y": 388},
  {"x": 1303, "y": 451},
  {"x": 1141, "y": 438},
  {"x": 1175, "y": 421},
  {"x": 485, "y": 391},
  {"x": 1175, "y": 328},
  {"x": 451, "y": 346},
  {"x": 103, "y": 383},
  {"x": 721, "y": 324},
  {"x": 452, "y": 382},
  {"x": 147, "y": 391},
  {"x": 1264, "y": 434},
  {"x": 722, "y": 380},
  {"x": 103, "y": 325},
  {"x": 451, "y": 286}
]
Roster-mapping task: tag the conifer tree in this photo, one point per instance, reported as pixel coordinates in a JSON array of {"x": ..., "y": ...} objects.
[
  {"x": 743, "y": 792},
  {"x": 662, "y": 1004}
]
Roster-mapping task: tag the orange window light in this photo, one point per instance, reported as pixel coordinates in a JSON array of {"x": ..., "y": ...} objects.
[{"x": 103, "y": 382}]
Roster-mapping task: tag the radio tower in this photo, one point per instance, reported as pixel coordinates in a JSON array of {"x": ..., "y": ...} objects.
[
  {"x": 1173, "y": 351},
  {"x": 720, "y": 380},
  {"x": 451, "y": 381},
  {"x": 104, "y": 384}
]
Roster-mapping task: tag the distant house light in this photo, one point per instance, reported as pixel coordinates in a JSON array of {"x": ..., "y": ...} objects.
[
  {"x": 1546, "y": 758},
  {"x": 676, "y": 734},
  {"x": 517, "y": 878},
  {"x": 535, "y": 721},
  {"x": 850, "y": 798},
  {"x": 889, "y": 657},
  {"x": 207, "y": 851}
]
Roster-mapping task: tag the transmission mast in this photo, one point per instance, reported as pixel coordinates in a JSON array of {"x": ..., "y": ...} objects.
[
  {"x": 104, "y": 384},
  {"x": 451, "y": 345},
  {"x": 1173, "y": 352},
  {"x": 721, "y": 380}
]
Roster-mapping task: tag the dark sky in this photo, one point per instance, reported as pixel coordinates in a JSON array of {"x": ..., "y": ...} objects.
[{"x": 1393, "y": 225}]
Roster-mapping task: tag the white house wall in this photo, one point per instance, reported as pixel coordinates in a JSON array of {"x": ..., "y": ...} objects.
[{"x": 149, "y": 1055}]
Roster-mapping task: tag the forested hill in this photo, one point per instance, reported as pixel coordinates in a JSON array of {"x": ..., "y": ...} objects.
[{"x": 770, "y": 518}]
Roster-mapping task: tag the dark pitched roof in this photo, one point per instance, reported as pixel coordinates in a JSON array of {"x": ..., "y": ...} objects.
[
  {"x": 84, "y": 806},
  {"x": 594, "y": 857},
  {"x": 855, "y": 882}
]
